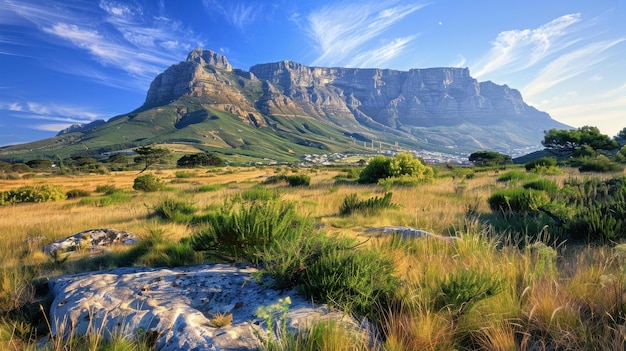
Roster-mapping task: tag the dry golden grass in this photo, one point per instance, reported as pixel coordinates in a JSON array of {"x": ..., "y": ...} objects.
[{"x": 580, "y": 301}]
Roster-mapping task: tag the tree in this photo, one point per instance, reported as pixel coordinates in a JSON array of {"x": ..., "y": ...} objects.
[
  {"x": 39, "y": 164},
  {"x": 622, "y": 133},
  {"x": 150, "y": 155},
  {"x": 201, "y": 159},
  {"x": 621, "y": 155},
  {"x": 490, "y": 158},
  {"x": 571, "y": 140},
  {"x": 117, "y": 158}
]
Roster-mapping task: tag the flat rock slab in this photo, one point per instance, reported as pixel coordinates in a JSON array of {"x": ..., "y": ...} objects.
[
  {"x": 93, "y": 239},
  {"x": 408, "y": 232},
  {"x": 176, "y": 305}
]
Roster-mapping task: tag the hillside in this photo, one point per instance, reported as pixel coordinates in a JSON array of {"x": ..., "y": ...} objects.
[{"x": 283, "y": 110}]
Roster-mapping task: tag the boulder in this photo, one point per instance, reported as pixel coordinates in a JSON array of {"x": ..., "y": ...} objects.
[
  {"x": 408, "y": 232},
  {"x": 175, "y": 306},
  {"x": 93, "y": 240}
]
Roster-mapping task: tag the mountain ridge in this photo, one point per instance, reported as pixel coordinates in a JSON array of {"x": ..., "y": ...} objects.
[{"x": 207, "y": 102}]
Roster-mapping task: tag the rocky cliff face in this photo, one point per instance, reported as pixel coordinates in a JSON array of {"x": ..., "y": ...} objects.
[{"x": 382, "y": 99}]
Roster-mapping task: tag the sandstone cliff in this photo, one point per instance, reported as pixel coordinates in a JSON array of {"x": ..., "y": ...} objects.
[{"x": 434, "y": 105}]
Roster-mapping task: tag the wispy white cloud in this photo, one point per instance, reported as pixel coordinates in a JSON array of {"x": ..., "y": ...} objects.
[
  {"x": 240, "y": 15},
  {"x": 123, "y": 36},
  {"x": 381, "y": 56},
  {"x": 516, "y": 50},
  {"x": 346, "y": 30},
  {"x": 569, "y": 65},
  {"x": 51, "y": 112}
]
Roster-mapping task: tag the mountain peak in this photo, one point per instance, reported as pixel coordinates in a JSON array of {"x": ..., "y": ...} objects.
[{"x": 206, "y": 57}]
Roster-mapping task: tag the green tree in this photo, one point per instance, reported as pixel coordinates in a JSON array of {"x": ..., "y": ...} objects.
[
  {"x": 622, "y": 133},
  {"x": 621, "y": 155},
  {"x": 150, "y": 155},
  {"x": 117, "y": 158},
  {"x": 489, "y": 158},
  {"x": 200, "y": 159},
  {"x": 570, "y": 140},
  {"x": 39, "y": 164}
]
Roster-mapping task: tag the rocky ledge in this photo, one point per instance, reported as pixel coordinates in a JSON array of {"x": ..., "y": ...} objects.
[{"x": 177, "y": 307}]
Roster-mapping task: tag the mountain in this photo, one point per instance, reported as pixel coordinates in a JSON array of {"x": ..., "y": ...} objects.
[{"x": 285, "y": 109}]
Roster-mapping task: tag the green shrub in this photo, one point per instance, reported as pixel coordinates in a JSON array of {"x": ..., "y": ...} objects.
[
  {"x": 547, "y": 185},
  {"x": 543, "y": 162},
  {"x": 41, "y": 193},
  {"x": 517, "y": 200},
  {"x": 76, "y": 193},
  {"x": 360, "y": 281},
  {"x": 599, "y": 164},
  {"x": 148, "y": 183},
  {"x": 184, "y": 174},
  {"x": 351, "y": 204},
  {"x": 156, "y": 251},
  {"x": 169, "y": 254},
  {"x": 298, "y": 180},
  {"x": 107, "y": 189},
  {"x": 210, "y": 187},
  {"x": 404, "y": 164},
  {"x": 260, "y": 193},
  {"x": 512, "y": 176},
  {"x": 459, "y": 291},
  {"x": 603, "y": 221},
  {"x": 292, "y": 180},
  {"x": 175, "y": 211},
  {"x": 241, "y": 230}
]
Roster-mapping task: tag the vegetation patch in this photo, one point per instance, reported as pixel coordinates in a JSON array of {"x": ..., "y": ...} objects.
[
  {"x": 352, "y": 204},
  {"x": 40, "y": 193},
  {"x": 148, "y": 183}
]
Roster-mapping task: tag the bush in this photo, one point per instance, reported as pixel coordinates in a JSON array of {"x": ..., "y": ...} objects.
[
  {"x": 201, "y": 159},
  {"x": 459, "y": 291},
  {"x": 512, "y": 176},
  {"x": 517, "y": 200},
  {"x": 175, "y": 211},
  {"x": 148, "y": 183},
  {"x": 41, "y": 193},
  {"x": 292, "y": 180},
  {"x": 260, "y": 193},
  {"x": 599, "y": 164},
  {"x": 351, "y": 204},
  {"x": 210, "y": 187},
  {"x": 298, "y": 180},
  {"x": 547, "y": 185},
  {"x": 543, "y": 162},
  {"x": 382, "y": 167},
  {"x": 76, "y": 193},
  {"x": 360, "y": 281},
  {"x": 107, "y": 189},
  {"x": 241, "y": 230},
  {"x": 184, "y": 174}
]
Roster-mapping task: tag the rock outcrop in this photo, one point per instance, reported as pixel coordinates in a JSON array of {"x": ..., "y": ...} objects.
[
  {"x": 92, "y": 240},
  {"x": 176, "y": 307},
  {"x": 405, "y": 103}
]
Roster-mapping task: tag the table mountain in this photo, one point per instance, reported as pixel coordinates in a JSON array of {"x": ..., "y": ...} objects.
[{"x": 284, "y": 109}]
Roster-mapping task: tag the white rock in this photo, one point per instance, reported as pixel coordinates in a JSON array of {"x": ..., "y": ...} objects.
[
  {"x": 93, "y": 239},
  {"x": 176, "y": 304}
]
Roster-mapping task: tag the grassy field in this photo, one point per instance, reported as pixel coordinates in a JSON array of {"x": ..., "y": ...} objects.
[{"x": 505, "y": 284}]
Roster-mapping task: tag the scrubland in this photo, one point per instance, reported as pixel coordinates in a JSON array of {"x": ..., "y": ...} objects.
[{"x": 513, "y": 279}]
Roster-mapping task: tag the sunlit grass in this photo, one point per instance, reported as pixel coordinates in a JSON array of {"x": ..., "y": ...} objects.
[{"x": 551, "y": 294}]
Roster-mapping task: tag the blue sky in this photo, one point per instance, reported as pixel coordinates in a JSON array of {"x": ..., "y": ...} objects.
[{"x": 75, "y": 61}]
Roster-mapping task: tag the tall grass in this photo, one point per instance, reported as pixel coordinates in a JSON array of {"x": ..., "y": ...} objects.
[{"x": 495, "y": 288}]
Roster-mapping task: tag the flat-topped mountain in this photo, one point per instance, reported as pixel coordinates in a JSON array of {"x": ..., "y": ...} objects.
[{"x": 286, "y": 108}]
